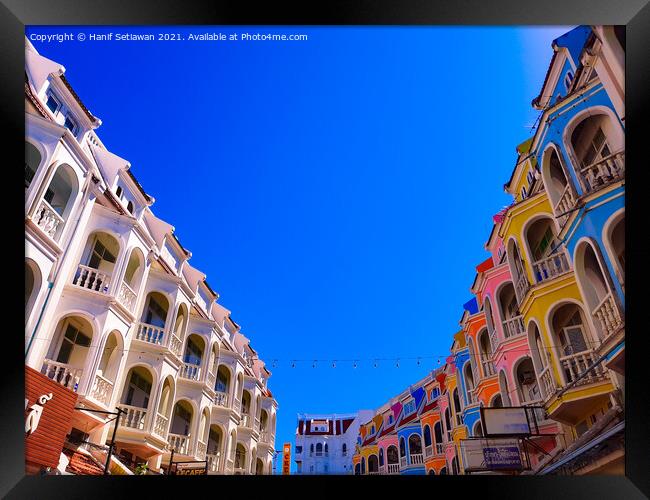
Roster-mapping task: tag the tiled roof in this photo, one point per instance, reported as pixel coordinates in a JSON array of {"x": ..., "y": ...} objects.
[{"x": 81, "y": 464}]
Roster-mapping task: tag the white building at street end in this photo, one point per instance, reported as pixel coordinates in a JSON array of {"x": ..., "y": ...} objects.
[
  {"x": 325, "y": 443},
  {"x": 115, "y": 312}
]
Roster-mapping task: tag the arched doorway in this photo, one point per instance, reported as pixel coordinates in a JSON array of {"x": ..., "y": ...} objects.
[
  {"x": 135, "y": 397},
  {"x": 56, "y": 205},
  {"x": 181, "y": 425},
  {"x": 154, "y": 316}
]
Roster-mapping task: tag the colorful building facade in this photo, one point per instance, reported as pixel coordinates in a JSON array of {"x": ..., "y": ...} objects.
[{"x": 545, "y": 328}]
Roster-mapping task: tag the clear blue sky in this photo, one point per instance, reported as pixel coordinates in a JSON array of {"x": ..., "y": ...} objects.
[{"x": 337, "y": 192}]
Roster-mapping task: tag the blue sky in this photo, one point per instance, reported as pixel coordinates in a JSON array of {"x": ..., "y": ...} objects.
[{"x": 337, "y": 191}]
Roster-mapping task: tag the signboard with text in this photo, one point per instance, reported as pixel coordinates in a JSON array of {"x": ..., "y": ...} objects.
[
  {"x": 483, "y": 454},
  {"x": 190, "y": 468},
  {"x": 286, "y": 459},
  {"x": 48, "y": 415},
  {"x": 506, "y": 421}
]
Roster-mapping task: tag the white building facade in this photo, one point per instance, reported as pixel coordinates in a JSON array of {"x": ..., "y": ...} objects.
[
  {"x": 325, "y": 443},
  {"x": 115, "y": 312}
]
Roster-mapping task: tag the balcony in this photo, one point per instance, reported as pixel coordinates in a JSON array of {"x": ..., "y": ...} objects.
[
  {"x": 66, "y": 375},
  {"x": 602, "y": 172},
  {"x": 394, "y": 468},
  {"x": 102, "y": 390},
  {"x": 92, "y": 279},
  {"x": 547, "y": 382},
  {"x": 127, "y": 297},
  {"x": 521, "y": 285},
  {"x": 156, "y": 335},
  {"x": 575, "y": 365},
  {"x": 179, "y": 443},
  {"x": 402, "y": 461},
  {"x": 221, "y": 399},
  {"x": 201, "y": 449},
  {"x": 564, "y": 204},
  {"x": 246, "y": 421},
  {"x": 607, "y": 315},
  {"x": 160, "y": 425},
  {"x": 440, "y": 450},
  {"x": 237, "y": 405},
  {"x": 265, "y": 437},
  {"x": 190, "y": 371},
  {"x": 133, "y": 417},
  {"x": 550, "y": 267},
  {"x": 417, "y": 459},
  {"x": 230, "y": 466},
  {"x": 488, "y": 368},
  {"x": 513, "y": 327},
  {"x": 48, "y": 220},
  {"x": 210, "y": 380},
  {"x": 213, "y": 462},
  {"x": 428, "y": 451}
]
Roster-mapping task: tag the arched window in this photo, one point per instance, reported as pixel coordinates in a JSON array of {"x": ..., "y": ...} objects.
[
  {"x": 129, "y": 207},
  {"x": 326, "y": 449},
  {"x": 223, "y": 380},
  {"x": 319, "y": 449},
  {"x": 437, "y": 432},
  {"x": 32, "y": 161},
  {"x": 372, "y": 464},
  {"x": 443, "y": 471},
  {"x": 427, "y": 436},
  {"x": 432, "y": 472},
  {"x": 311, "y": 448},
  {"x": 391, "y": 454},
  {"x": 57, "y": 201},
  {"x": 344, "y": 449},
  {"x": 415, "y": 444},
  {"x": 381, "y": 457},
  {"x": 363, "y": 465},
  {"x": 402, "y": 447}
]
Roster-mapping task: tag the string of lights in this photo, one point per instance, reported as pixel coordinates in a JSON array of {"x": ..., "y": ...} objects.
[{"x": 355, "y": 362}]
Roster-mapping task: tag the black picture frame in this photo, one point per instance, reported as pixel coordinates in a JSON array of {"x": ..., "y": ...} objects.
[{"x": 634, "y": 14}]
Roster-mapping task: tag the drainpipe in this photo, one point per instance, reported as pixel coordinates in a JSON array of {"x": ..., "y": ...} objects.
[{"x": 56, "y": 269}]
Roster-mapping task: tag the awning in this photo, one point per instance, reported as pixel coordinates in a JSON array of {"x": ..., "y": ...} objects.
[{"x": 597, "y": 440}]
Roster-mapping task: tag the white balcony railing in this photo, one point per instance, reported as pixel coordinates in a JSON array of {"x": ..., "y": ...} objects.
[
  {"x": 394, "y": 468},
  {"x": 102, "y": 390},
  {"x": 603, "y": 171},
  {"x": 133, "y": 417},
  {"x": 92, "y": 279},
  {"x": 210, "y": 379},
  {"x": 547, "y": 382},
  {"x": 201, "y": 449},
  {"x": 265, "y": 437},
  {"x": 416, "y": 459},
  {"x": 237, "y": 405},
  {"x": 428, "y": 450},
  {"x": 246, "y": 420},
  {"x": 402, "y": 461},
  {"x": 150, "y": 333},
  {"x": 564, "y": 204},
  {"x": 488, "y": 367},
  {"x": 439, "y": 449},
  {"x": 513, "y": 327},
  {"x": 213, "y": 461},
  {"x": 230, "y": 466},
  {"x": 66, "y": 375},
  {"x": 48, "y": 219},
  {"x": 471, "y": 398},
  {"x": 575, "y": 365},
  {"x": 607, "y": 315},
  {"x": 127, "y": 296},
  {"x": 179, "y": 443},
  {"x": 521, "y": 285},
  {"x": 175, "y": 345},
  {"x": 551, "y": 266},
  {"x": 190, "y": 371},
  {"x": 160, "y": 424},
  {"x": 221, "y": 399}
]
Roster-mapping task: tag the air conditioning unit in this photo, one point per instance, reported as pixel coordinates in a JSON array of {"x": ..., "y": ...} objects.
[{"x": 528, "y": 377}]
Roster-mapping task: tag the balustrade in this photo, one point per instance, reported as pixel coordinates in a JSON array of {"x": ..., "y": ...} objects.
[
  {"x": 513, "y": 326},
  {"x": 48, "y": 219},
  {"x": 179, "y": 443},
  {"x": 394, "y": 468},
  {"x": 126, "y": 296},
  {"x": 564, "y": 204},
  {"x": 603, "y": 171},
  {"x": 575, "y": 365},
  {"x": 607, "y": 315},
  {"x": 213, "y": 461},
  {"x": 547, "y": 382},
  {"x": 160, "y": 424},
  {"x": 150, "y": 333},
  {"x": 221, "y": 399},
  {"x": 416, "y": 459},
  {"x": 102, "y": 390},
  {"x": 190, "y": 371},
  {"x": 133, "y": 417},
  {"x": 66, "y": 375},
  {"x": 92, "y": 279},
  {"x": 551, "y": 266}
]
